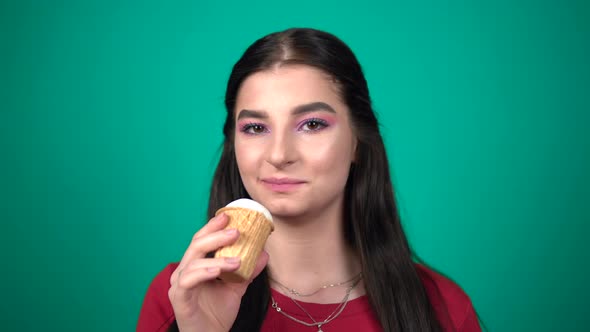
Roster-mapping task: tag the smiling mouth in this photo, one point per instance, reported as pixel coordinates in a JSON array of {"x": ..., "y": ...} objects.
[{"x": 282, "y": 184}]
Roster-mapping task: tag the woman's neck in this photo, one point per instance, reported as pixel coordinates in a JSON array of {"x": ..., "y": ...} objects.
[{"x": 309, "y": 253}]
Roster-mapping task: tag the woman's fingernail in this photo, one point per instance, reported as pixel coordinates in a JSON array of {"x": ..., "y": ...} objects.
[{"x": 232, "y": 260}]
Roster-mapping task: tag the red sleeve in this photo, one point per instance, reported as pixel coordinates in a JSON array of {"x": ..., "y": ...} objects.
[
  {"x": 451, "y": 304},
  {"x": 156, "y": 313},
  {"x": 471, "y": 323}
]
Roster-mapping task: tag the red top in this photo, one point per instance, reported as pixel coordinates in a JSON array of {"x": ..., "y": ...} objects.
[{"x": 453, "y": 308}]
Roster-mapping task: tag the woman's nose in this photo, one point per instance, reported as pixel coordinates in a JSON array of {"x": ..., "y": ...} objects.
[{"x": 281, "y": 150}]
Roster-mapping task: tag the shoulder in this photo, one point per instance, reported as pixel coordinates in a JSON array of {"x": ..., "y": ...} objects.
[
  {"x": 163, "y": 277},
  {"x": 160, "y": 285},
  {"x": 452, "y": 305},
  {"x": 156, "y": 312}
]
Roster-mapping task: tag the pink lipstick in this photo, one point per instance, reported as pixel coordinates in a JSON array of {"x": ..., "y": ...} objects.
[{"x": 282, "y": 184}]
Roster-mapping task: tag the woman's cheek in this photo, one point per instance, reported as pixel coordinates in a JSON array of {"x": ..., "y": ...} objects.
[{"x": 247, "y": 156}]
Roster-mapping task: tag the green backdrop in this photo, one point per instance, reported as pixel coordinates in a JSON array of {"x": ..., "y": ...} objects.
[{"x": 110, "y": 124}]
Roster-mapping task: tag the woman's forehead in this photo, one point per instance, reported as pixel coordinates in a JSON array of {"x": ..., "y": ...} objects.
[{"x": 287, "y": 87}]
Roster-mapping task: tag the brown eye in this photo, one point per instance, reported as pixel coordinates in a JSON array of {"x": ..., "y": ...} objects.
[
  {"x": 254, "y": 129},
  {"x": 313, "y": 125},
  {"x": 257, "y": 129}
]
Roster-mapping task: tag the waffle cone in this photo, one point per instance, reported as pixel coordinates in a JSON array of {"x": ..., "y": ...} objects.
[{"x": 254, "y": 229}]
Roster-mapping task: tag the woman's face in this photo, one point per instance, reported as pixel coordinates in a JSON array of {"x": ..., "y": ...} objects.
[{"x": 294, "y": 142}]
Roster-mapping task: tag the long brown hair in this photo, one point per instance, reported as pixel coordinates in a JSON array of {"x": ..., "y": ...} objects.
[{"x": 372, "y": 222}]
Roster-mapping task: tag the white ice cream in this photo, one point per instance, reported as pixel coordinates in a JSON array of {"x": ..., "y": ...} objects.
[{"x": 252, "y": 205}]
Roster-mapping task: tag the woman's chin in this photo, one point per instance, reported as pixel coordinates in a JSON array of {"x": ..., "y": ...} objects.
[{"x": 285, "y": 210}]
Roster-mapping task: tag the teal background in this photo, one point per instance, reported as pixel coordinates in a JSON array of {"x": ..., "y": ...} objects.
[{"x": 110, "y": 123}]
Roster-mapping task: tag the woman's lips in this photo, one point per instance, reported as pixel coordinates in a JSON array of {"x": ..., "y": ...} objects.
[{"x": 282, "y": 184}]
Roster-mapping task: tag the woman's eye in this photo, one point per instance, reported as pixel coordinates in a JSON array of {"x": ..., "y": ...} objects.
[
  {"x": 253, "y": 129},
  {"x": 257, "y": 129},
  {"x": 313, "y": 125}
]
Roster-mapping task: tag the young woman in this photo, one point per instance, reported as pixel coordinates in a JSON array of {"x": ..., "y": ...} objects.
[{"x": 301, "y": 138}]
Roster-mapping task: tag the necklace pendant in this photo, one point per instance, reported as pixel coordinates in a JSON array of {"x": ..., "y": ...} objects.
[{"x": 320, "y": 328}]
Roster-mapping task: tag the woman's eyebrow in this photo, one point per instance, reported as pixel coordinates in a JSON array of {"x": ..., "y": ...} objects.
[
  {"x": 301, "y": 109},
  {"x": 252, "y": 114},
  {"x": 312, "y": 107}
]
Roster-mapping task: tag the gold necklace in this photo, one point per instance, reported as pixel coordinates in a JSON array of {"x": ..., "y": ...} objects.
[
  {"x": 328, "y": 319},
  {"x": 298, "y": 294}
]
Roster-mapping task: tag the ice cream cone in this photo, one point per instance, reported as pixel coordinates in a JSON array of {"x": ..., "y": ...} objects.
[{"x": 254, "y": 230}]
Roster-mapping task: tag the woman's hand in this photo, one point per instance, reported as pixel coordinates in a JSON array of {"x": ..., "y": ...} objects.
[{"x": 200, "y": 301}]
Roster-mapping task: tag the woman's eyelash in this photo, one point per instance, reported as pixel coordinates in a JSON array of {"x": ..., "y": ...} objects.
[
  {"x": 253, "y": 128},
  {"x": 316, "y": 122},
  {"x": 313, "y": 124}
]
